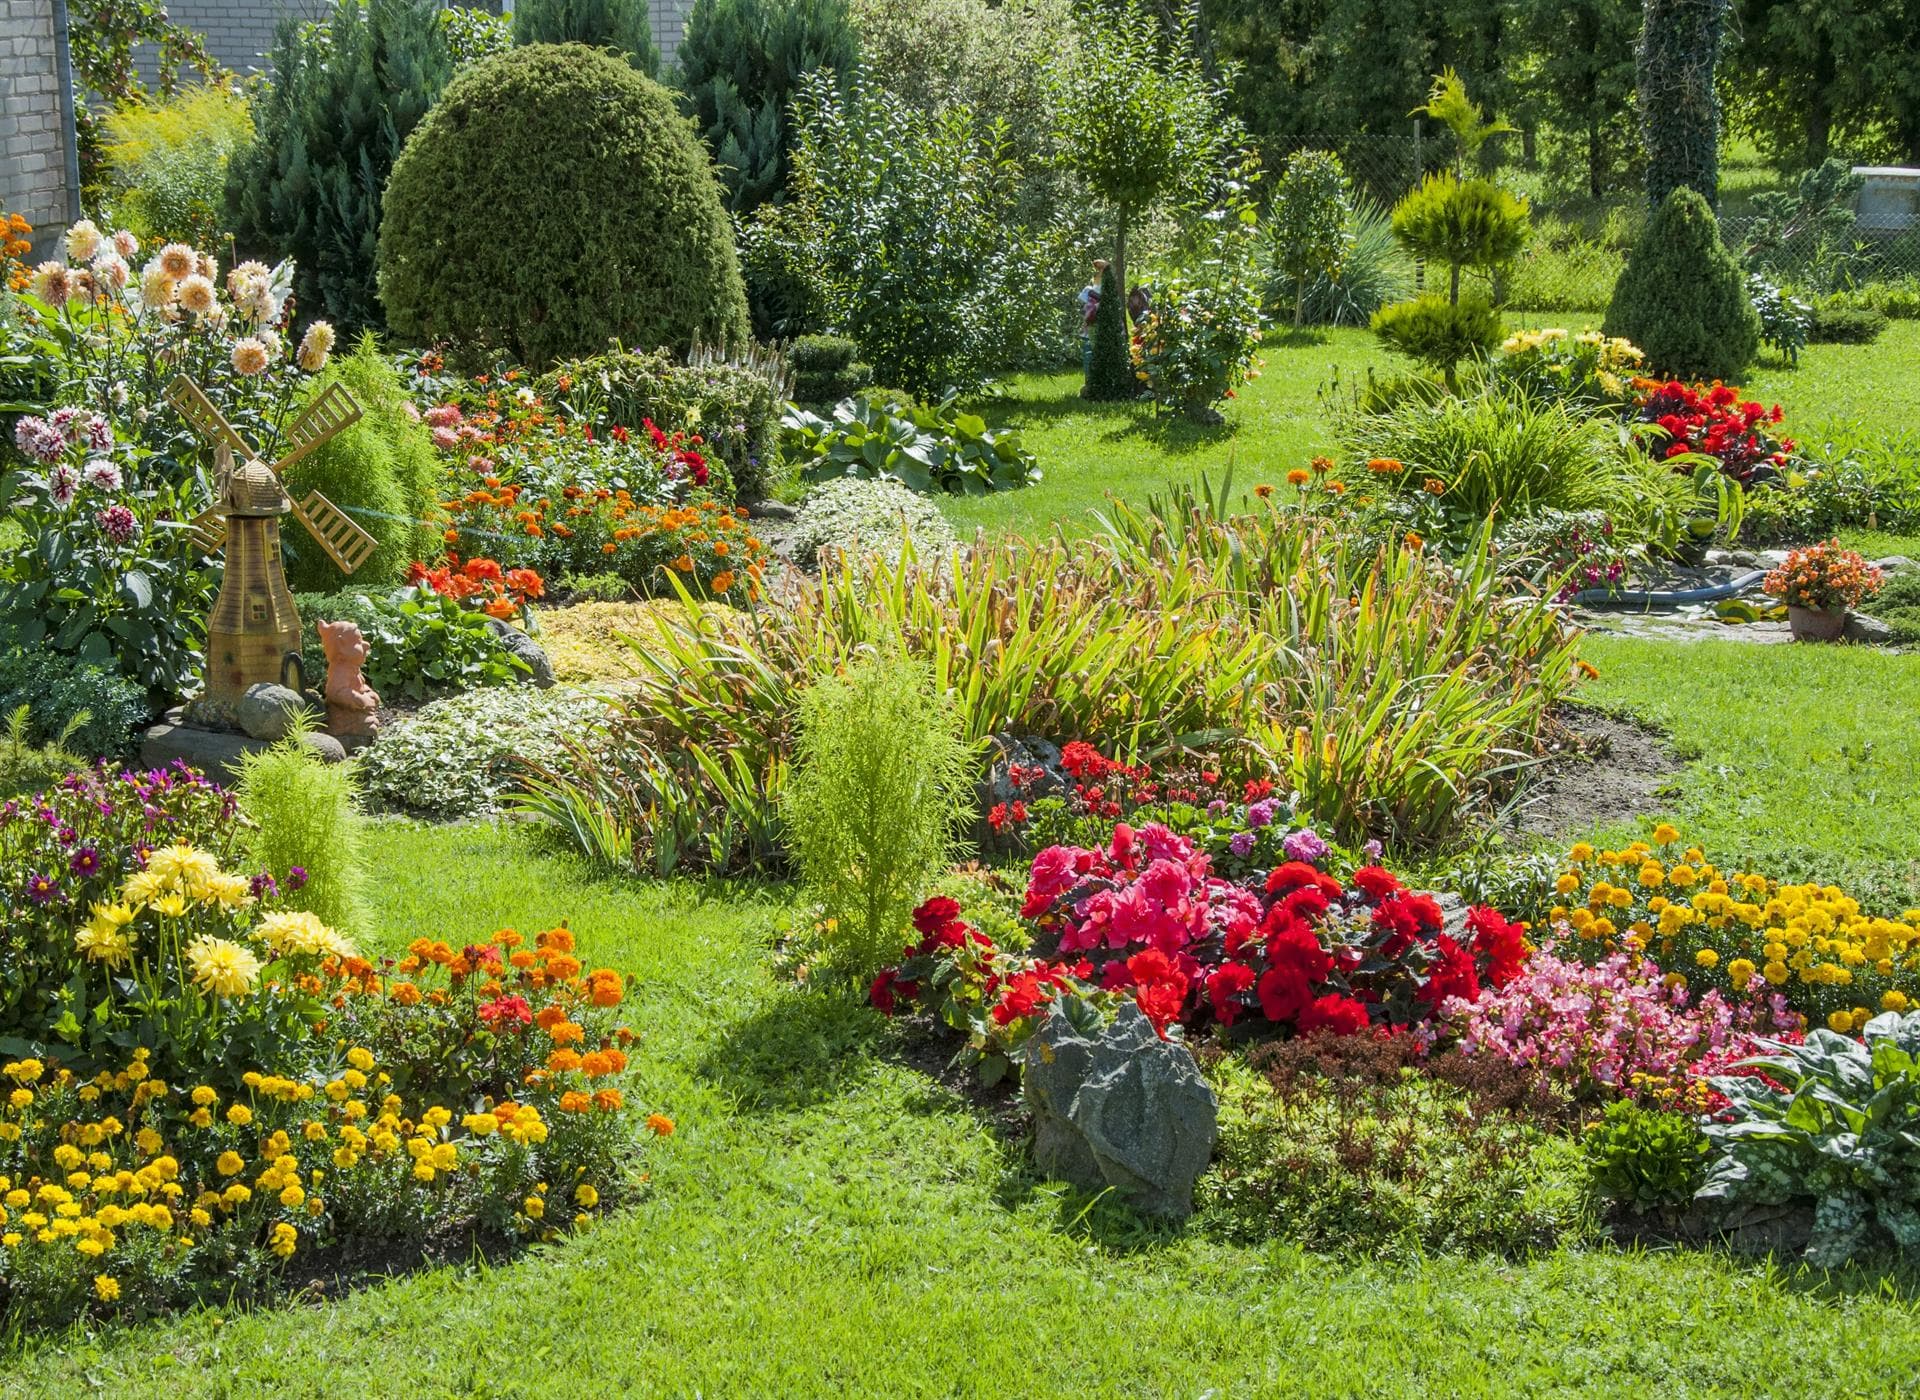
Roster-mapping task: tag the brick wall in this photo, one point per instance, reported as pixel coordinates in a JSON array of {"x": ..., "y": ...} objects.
[
  {"x": 34, "y": 139},
  {"x": 669, "y": 23}
]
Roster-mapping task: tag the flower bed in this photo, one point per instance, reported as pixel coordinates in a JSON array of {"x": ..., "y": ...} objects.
[
  {"x": 1740, "y": 934},
  {"x": 1715, "y": 421},
  {"x": 215, "y": 1081}
]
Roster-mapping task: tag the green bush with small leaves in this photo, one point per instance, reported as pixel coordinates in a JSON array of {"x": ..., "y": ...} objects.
[
  {"x": 1683, "y": 299},
  {"x": 89, "y": 710},
  {"x": 304, "y": 830},
  {"x": 552, "y": 200}
]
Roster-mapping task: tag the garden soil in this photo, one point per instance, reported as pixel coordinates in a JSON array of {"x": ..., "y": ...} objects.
[{"x": 1613, "y": 770}]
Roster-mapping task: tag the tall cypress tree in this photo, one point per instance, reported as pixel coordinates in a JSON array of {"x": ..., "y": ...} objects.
[
  {"x": 620, "y": 25},
  {"x": 1679, "y": 45},
  {"x": 345, "y": 96}
]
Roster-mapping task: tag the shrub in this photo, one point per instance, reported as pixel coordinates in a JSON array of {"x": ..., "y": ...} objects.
[
  {"x": 1836, "y": 323},
  {"x": 381, "y": 471},
  {"x": 739, "y": 64},
  {"x": 1645, "y": 1157},
  {"x": 924, "y": 448},
  {"x": 826, "y": 370},
  {"x": 1197, "y": 345},
  {"x": 1898, "y": 605},
  {"x": 852, "y": 516},
  {"x": 1110, "y": 361},
  {"x": 457, "y": 757},
  {"x": 904, "y": 231},
  {"x": 618, "y": 226},
  {"x": 1374, "y": 272},
  {"x": 344, "y": 98},
  {"x": 1786, "y": 322},
  {"x": 167, "y": 163},
  {"x": 1682, "y": 298},
  {"x": 305, "y": 831},
  {"x": 880, "y": 782},
  {"x": 1832, "y": 1119},
  {"x": 1437, "y": 332},
  {"x": 26, "y": 763},
  {"x": 1405, "y": 1164},
  {"x": 1310, "y": 226},
  {"x": 623, "y": 26},
  {"x": 733, "y": 410},
  {"x": 60, "y": 689}
]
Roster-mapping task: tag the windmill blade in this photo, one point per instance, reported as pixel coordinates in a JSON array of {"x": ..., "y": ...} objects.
[
  {"x": 333, "y": 410},
  {"x": 198, "y": 409},
  {"x": 209, "y": 530},
  {"x": 345, "y": 542}
]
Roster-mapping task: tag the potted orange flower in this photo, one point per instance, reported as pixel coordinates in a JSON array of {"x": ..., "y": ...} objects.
[{"x": 1820, "y": 585}]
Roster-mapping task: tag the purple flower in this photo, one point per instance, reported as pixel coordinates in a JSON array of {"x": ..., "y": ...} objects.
[
  {"x": 1216, "y": 807},
  {"x": 1306, "y": 845},
  {"x": 263, "y": 886},
  {"x": 1242, "y": 844},
  {"x": 1261, "y": 813},
  {"x": 41, "y": 888},
  {"x": 84, "y": 862},
  {"x": 1372, "y": 850},
  {"x": 296, "y": 877}
]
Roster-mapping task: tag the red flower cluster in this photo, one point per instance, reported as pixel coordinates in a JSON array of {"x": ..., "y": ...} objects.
[
  {"x": 973, "y": 976},
  {"x": 1108, "y": 788},
  {"x": 481, "y": 583},
  {"x": 1297, "y": 948},
  {"x": 1714, "y": 420}
]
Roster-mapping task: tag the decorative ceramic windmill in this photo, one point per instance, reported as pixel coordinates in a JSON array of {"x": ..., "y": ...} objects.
[{"x": 254, "y": 628}]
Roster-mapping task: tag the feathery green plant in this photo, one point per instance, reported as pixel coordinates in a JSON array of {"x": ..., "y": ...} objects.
[{"x": 303, "y": 815}]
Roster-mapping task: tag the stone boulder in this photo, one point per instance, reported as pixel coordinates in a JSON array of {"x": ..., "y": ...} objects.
[
  {"x": 539, "y": 669},
  {"x": 1870, "y": 631},
  {"x": 267, "y": 711},
  {"x": 1120, "y": 1108}
]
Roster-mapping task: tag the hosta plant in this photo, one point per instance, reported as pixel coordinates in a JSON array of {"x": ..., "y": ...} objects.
[
  {"x": 1836, "y": 1120},
  {"x": 924, "y": 447}
]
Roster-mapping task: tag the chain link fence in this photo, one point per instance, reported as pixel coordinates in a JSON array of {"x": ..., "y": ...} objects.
[{"x": 1571, "y": 263}]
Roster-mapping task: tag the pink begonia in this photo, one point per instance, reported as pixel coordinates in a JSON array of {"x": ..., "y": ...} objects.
[{"x": 1597, "y": 1027}]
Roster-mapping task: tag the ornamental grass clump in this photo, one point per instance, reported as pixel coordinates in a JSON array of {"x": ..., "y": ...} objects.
[{"x": 879, "y": 787}]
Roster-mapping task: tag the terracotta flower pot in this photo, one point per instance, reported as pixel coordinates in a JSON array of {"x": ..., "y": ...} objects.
[{"x": 1816, "y": 624}]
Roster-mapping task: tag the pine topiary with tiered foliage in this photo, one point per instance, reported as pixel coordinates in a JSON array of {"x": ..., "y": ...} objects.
[{"x": 1683, "y": 299}]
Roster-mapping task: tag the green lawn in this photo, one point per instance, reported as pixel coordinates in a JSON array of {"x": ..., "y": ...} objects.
[
  {"x": 1278, "y": 421},
  {"x": 828, "y": 1221},
  {"x": 1804, "y": 759}
]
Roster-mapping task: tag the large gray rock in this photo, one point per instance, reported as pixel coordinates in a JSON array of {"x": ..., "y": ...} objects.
[
  {"x": 217, "y": 752},
  {"x": 1871, "y": 630},
  {"x": 540, "y": 670},
  {"x": 1122, "y": 1109},
  {"x": 268, "y": 711},
  {"x": 1893, "y": 563}
]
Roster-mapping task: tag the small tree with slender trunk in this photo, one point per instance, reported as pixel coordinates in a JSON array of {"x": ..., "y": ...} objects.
[{"x": 1139, "y": 118}]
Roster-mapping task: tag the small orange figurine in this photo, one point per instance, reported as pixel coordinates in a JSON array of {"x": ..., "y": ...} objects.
[{"x": 350, "y": 700}]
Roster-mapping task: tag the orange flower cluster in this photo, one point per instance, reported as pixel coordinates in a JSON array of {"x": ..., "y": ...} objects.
[
  {"x": 501, "y": 593},
  {"x": 1823, "y": 576},
  {"x": 16, "y": 241}
]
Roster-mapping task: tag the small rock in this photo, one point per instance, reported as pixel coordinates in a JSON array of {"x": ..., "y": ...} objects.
[
  {"x": 539, "y": 669},
  {"x": 268, "y": 711},
  {"x": 1869, "y": 630},
  {"x": 217, "y": 752},
  {"x": 1122, "y": 1109}
]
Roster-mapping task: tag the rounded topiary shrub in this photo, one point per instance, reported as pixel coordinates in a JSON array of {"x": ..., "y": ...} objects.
[
  {"x": 1683, "y": 299},
  {"x": 552, "y": 200}
]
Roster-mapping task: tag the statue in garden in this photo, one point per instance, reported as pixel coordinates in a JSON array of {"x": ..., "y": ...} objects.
[{"x": 351, "y": 702}]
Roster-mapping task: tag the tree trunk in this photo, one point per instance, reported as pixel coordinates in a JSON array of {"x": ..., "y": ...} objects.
[
  {"x": 1454, "y": 293},
  {"x": 1596, "y": 159},
  {"x": 1120, "y": 265}
]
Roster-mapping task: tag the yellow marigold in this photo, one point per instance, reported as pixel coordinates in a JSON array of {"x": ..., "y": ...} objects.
[
  {"x": 285, "y": 1238},
  {"x": 585, "y": 1196},
  {"x": 106, "y": 1288},
  {"x": 1706, "y": 957},
  {"x": 1665, "y": 835}
]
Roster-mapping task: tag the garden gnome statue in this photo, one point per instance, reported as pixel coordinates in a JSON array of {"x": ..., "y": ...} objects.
[{"x": 350, "y": 700}]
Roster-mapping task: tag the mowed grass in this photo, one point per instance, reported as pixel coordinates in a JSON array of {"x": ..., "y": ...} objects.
[
  {"x": 1803, "y": 760},
  {"x": 827, "y": 1221},
  {"x": 1280, "y": 420}
]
